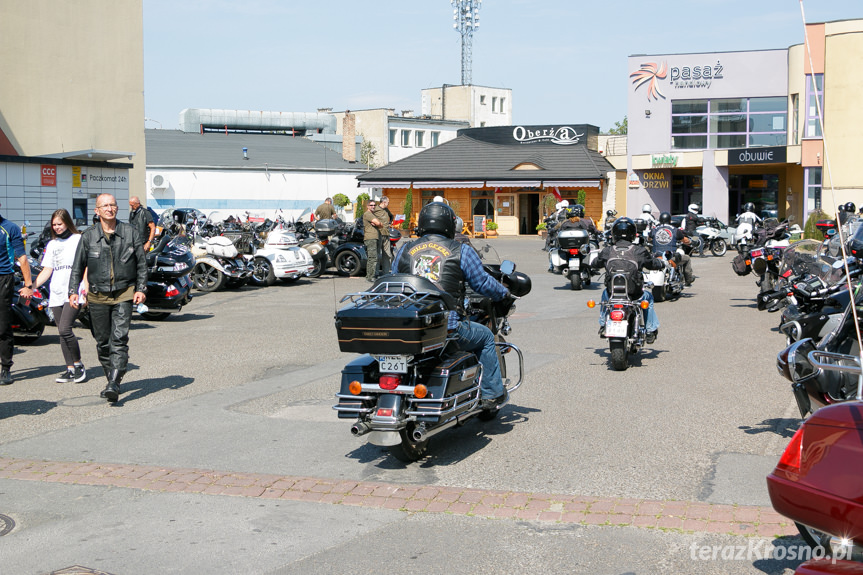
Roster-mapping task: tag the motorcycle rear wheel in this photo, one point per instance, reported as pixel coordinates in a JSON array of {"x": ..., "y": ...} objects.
[
  {"x": 262, "y": 274},
  {"x": 409, "y": 450},
  {"x": 659, "y": 293},
  {"x": 317, "y": 270},
  {"x": 618, "y": 357},
  {"x": 348, "y": 263},
  {"x": 575, "y": 281},
  {"x": 718, "y": 247}
]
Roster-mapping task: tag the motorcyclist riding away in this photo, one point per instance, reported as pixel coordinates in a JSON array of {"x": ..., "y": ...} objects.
[
  {"x": 666, "y": 239},
  {"x": 690, "y": 224},
  {"x": 576, "y": 220},
  {"x": 623, "y": 233},
  {"x": 448, "y": 263},
  {"x": 748, "y": 216}
]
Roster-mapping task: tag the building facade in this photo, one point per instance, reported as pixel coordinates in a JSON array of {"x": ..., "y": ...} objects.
[
  {"x": 723, "y": 129},
  {"x": 480, "y": 106},
  {"x": 71, "y": 104}
]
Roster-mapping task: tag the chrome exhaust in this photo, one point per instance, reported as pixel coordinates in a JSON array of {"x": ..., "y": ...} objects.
[{"x": 360, "y": 428}]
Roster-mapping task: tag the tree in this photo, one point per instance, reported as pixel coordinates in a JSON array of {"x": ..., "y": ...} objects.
[
  {"x": 341, "y": 200},
  {"x": 620, "y": 128},
  {"x": 368, "y": 153},
  {"x": 409, "y": 206},
  {"x": 362, "y": 200}
]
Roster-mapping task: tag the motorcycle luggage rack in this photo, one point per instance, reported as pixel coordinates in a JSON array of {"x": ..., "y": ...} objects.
[
  {"x": 397, "y": 293},
  {"x": 817, "y": 357}
]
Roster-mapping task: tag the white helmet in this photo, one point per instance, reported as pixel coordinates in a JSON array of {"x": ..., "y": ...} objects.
[
  {"x": 646, "y": 208},
  {"x": 693, "y": 208}
]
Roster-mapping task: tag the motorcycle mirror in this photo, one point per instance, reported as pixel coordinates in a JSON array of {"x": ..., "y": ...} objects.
[{"x": 507, "y": 267}]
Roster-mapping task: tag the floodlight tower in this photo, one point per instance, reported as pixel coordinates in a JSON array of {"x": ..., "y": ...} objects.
[{"x": 465, "y": 15}]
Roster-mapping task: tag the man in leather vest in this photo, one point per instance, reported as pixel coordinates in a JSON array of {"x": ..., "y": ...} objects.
[
  {"x": 112, "y": 253},
  {"x": 666, "y": 238},
  {"x": 448, "y": 263},
  {"x": 623, "y": 233}
]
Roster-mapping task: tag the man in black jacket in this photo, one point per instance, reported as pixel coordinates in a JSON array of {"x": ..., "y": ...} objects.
[{"x": 113, "y": 256}]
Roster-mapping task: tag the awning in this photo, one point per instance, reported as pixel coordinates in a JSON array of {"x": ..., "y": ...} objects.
[
  {"x": 570, "y": 183},
  {"x": 91, "y": 155},
  {"x": 514, "y": 184},
  {"x": 426, "y": 185}
]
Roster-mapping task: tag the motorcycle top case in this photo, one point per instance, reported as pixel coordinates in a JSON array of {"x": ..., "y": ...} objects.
[
  {"x": 222, "y": 247},
  {"x": 569, "y": 239},
  {"x": 386, "y": 325},
  {"x": 325, "y": 227}
]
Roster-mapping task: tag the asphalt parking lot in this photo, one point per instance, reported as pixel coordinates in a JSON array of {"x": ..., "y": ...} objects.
[{"x": 243, "y": 381}]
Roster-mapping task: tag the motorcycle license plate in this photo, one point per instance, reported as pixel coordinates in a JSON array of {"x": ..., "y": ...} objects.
[
  {"x": 182, "y": 281},
  {"x": 574, "y": 263},
  {"x": 393, "y": 363},
  {"x": 757, "y": 253},
  {"x": 615, "y": 329}
]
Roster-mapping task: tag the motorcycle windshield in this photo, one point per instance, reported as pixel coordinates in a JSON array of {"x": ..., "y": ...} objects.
[
  {"x": 809, "y": 257},
  {"x": 487, "y": 254}
]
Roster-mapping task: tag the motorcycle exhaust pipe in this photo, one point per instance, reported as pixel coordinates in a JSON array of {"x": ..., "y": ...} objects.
[{"x": 360, "y": 428}]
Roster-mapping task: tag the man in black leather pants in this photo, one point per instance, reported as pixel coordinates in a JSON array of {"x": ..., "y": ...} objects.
[{"x": 113, "y": 256}]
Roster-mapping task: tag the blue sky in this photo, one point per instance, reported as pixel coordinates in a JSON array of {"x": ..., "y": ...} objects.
[{"x": 565, "y": 60}]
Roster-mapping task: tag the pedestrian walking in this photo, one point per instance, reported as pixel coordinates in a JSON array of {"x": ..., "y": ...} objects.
[
  {"x": 142, "y": 219},
  {"x": 385, "y": 217},
  {"x": 113, "y": 256},
  {"x": 57, "y": 267},
  {"x": 10, "y": 235}
]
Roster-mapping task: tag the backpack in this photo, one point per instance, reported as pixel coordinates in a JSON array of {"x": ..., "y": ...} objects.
[{"x": 623, "y": 261}]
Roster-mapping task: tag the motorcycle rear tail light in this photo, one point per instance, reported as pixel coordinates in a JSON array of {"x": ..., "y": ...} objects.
[
  {"x": 573, "y": 252},
  {"x": 382, "y": 412},
  {"x": 786, "y": 273},
  {"x": 172, "y": 291},
  {"x": 617, "y": 315},
  {"x": 389, "y": 382},
  {"x": 790, "y": 460}
]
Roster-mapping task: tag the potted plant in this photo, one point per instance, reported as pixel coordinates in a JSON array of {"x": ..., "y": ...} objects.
[
  {"x": 491, "y": 229},
  {"x": 541, "y": 229}
]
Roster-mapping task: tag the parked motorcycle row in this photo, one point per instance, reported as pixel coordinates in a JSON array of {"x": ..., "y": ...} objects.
[{"x": 810, "y": 284}]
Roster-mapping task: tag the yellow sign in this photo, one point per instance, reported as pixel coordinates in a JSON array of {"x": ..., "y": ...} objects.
[{"x": 76, "y": 176}]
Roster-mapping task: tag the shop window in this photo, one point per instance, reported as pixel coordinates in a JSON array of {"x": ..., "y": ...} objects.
[
  {"x": 406, "y": 138},
  {"x": 393, "y": 137},
  {"x": 814, "y": 100},
  {"x": 435, "y": 138}
]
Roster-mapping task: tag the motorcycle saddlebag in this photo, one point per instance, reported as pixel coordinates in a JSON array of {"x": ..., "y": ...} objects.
[
  {"x": 569, "y": 239},
  {"x": 738, "y": 264},
  {"x": 386, "y": 324},
  {"x": 222, "y": 247}
]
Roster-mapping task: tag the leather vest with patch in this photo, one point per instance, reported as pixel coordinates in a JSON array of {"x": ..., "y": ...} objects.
[
  {"x": 664, "y": 239},
  {"x": 437, "y": 259}
]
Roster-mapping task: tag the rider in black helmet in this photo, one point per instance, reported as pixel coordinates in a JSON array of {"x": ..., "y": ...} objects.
[
  {"x": 623, "y": 233},
  {"x": 666, "y": 239},
  {"x": 576, "y": 220},
  {"x": 449, "y": 264},
  {"x": 846, "y": 212}
]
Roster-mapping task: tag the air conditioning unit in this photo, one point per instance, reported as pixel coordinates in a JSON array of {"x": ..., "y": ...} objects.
[{"x": 159, "y": 182}]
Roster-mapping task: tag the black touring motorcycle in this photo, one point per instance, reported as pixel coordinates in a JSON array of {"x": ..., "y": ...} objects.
[{"x": 412, "y": 381}]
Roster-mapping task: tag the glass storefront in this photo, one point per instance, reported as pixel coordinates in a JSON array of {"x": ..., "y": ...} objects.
[
  {"x": 685, "y": 190},
  {"x": 761, "y": 189}
]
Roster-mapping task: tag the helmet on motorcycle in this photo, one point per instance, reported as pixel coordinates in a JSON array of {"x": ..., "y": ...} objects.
[
  {"x": 576, "y": 211},
  {"x": 664, "y": 218},
  {"x": 693, "y": 208},
  {"x": 646, "y": 209},
  {"x": 518, "y": 283},
  {"x": 748, "y": 207},
  {"x": 623, "y": 229},
  {"x": 436, "y": 218},
  {"x": 850, "y": 207},
  {"x": 610, "y": 213}
]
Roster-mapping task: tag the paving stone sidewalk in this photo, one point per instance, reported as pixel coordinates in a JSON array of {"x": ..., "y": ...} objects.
[{"x": 682, "y": 516}]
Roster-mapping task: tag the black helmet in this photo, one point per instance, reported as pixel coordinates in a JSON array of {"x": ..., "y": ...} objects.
[
  {"x": 850, "y": 207},
  {"x": 610, "y": 213},
  {"x": 664, "y": 218},
  {"x": 748, "y": 207},
  {"x": 576, "y": 211},
  {"x": 623, "y": 229},
  {"x": 436, "y": 218}
]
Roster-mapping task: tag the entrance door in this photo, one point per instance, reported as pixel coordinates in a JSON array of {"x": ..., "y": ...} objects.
[{"x": 528, "y": 213}]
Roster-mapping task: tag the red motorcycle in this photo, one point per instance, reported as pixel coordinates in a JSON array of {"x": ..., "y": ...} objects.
[{"x": 817, "y": 482}]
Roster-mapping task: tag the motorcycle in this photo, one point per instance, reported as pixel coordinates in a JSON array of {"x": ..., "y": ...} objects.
[
  {"x": 668, "y": 283},
  {"x": 280, "y": 257},
  {"x": 411, "y": 382},
  {"x": 29, "y": 319},
  {"x": 218, "y": 262},
  {"x": 711, "y": 238},
  {"x": 342, "y": 247},
  {"x": 624, "y": 320},
  {"x": 573, "y": 256}
]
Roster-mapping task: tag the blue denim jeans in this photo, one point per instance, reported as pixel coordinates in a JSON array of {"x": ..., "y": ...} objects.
[
  {"x": 477, "y": 338},
  {"x": 651, "y": 321}
]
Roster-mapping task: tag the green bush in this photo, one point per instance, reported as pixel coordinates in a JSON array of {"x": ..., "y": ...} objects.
[
  {"x": 541, "y": 226},
  {"x": 362, "y": 200},
  {"x": 341, "y": 200},
  {"x": 491, "y": 225},
  {"x": 810, "y": 232}
]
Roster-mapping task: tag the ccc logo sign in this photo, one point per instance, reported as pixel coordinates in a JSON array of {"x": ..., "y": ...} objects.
[{"x": 49, "y": 175}]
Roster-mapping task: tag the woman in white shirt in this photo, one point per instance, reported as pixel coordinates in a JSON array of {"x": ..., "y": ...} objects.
[{"x": 57, "y": 266}]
